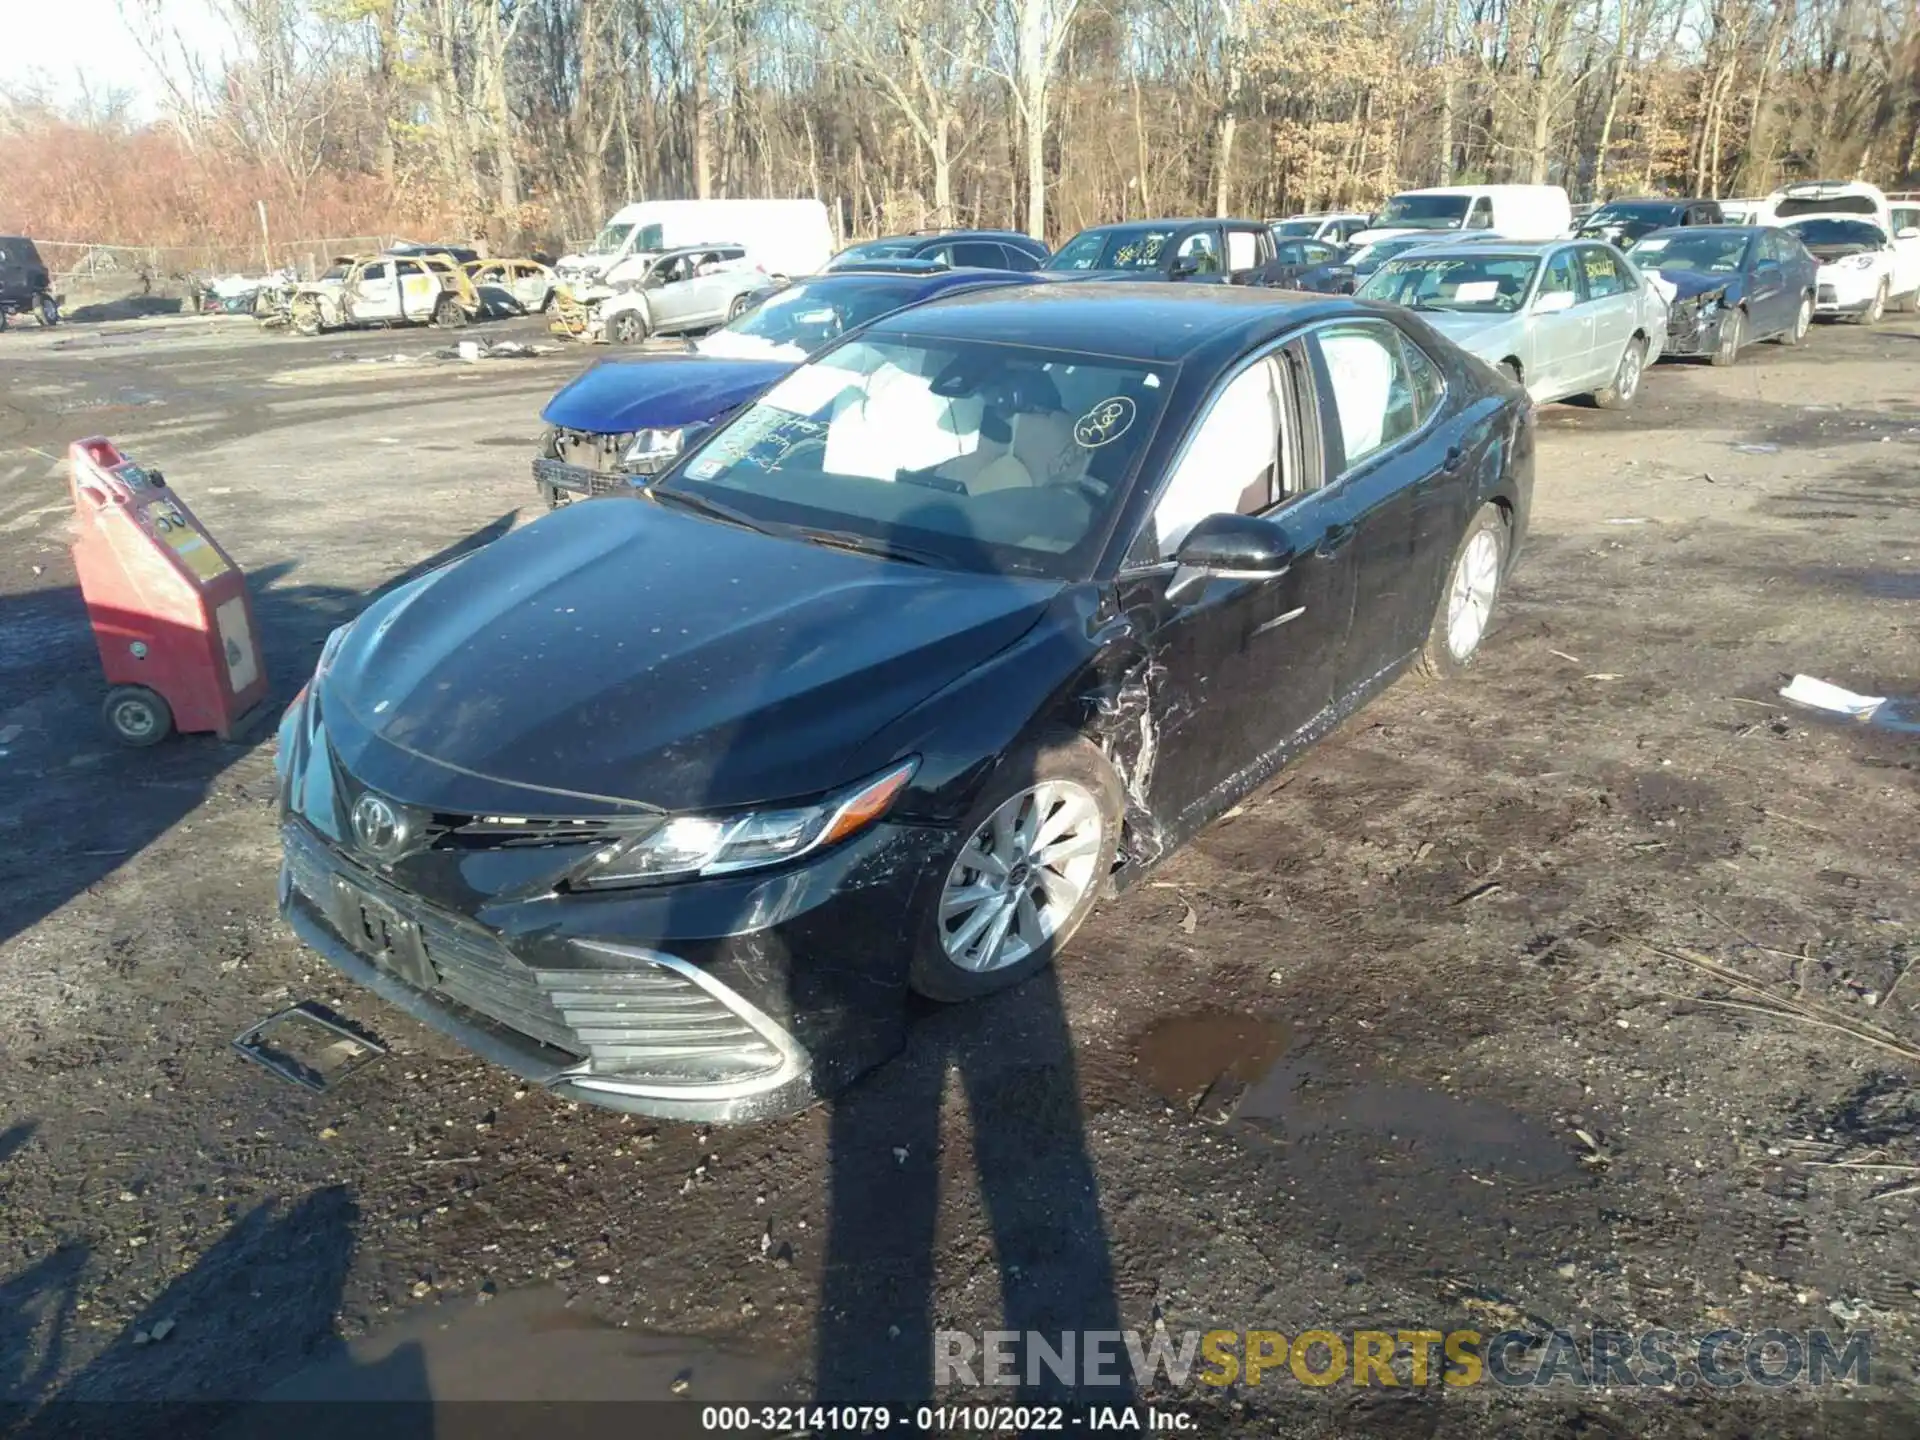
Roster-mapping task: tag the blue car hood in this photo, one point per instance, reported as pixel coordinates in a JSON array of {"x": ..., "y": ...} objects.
[
  {"x": 1698, "y": 282},
  {"x": 659, "y": 392}
]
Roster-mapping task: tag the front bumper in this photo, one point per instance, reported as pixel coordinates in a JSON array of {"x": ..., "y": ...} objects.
[
  {"x": 1692, "y": 328},
  {"x": 561, "y": 475},
  {"x": 1845, "y": 295},
  {"x": 720, "y": 1001}
]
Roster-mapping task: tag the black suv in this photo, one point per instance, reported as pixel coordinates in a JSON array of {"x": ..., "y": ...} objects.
[
  {"x": 960, "y": 249},
  {"x": 1623, "y": 222},
  {"x": 25, "y": 285}
]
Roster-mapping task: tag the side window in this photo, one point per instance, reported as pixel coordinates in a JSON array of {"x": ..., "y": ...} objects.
[
  {"x": 1243, "y": 250},
  {"x": 378, "y": 271},
  {"x": 1905, "y": 218},
  {"x": 1429, "y": 385},
  {"x": 1559, "y": 276},
  {"x": 1203, "y": 248},
  {"x": 1014, "y": 258},
  {"x": 977, "y": 253},
  {"x": 1374, "y": 397},
  {"x": 1604, "y": 275},
  {"x": 1317, "y": 253},
  {"x": 1481, "y": 216},
  {"x": 1232, "y": 462},
  {"x": 940, "y": 253},
  {"x": 1771, "y": 250}
]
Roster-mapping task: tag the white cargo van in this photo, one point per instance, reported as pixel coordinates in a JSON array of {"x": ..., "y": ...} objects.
[
  {"x": 782, "y": 237},
  {"x": 1515, "y": 212}
]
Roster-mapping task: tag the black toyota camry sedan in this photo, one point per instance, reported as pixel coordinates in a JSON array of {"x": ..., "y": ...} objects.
[{"x": 668, "y": 801}]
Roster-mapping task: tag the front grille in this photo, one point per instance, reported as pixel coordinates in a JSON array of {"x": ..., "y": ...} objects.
[
  {"x": 471, "y": 966},
  {"x": 654, "y": 1023},
  {"x": 592, "y": 464},
  {"x": 507, "y": 831}
]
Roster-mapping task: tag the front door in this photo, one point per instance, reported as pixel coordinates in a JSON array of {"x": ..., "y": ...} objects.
[
  {"x": 1562, "y": 339},
  {"x": 1612, "y": 303},
  {"x": 374, "y": 296},
  {"x": 1239, "y": 666},
  {"x": 673, "y": 296}
]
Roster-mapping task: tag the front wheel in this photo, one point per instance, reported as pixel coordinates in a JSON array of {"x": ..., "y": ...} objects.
[
  {"x": 1626, "y": 379},
  {"x": 1466, "y": 603},
  {"x": 1878, "y": 308},
  {"x": 627, "y": 328},
  {"x": 1802, "y": 323},
  {"x": 737, "y": 308},
  {"x": 305, "y": 319},
  {"x": 137, "y": 716},
  {"x": 1733, "y": 330},
  {"x": 1039, "y": 845}
]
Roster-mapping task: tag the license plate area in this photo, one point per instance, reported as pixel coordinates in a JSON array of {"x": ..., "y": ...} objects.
[{"x": 381, "y": 933}]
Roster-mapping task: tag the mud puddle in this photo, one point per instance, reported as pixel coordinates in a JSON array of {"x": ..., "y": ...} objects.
[
  {"x": 526, "y": 1345},
  {"x": 1249, "y": 1076}
]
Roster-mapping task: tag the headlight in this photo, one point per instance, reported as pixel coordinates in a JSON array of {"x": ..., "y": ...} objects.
[
  {"x": 653, "y": 445},
  {"x": 1860, "y": 262},
  {"x": 696, "y": 845},
  {"x": 329, "y": 650}
]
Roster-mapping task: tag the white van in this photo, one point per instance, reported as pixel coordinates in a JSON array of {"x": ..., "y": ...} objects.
[
  {"x": 782, "y": 237},
  {"x": 1516, "y": 212},
  {"x": 1831, "y": 197}
]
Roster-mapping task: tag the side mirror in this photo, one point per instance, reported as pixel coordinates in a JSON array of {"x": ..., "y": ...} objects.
[
  {"x": 1236, "y": 547},
  {"x": 1184, "y": 266},
  {"x": 1553, "y": 303}
]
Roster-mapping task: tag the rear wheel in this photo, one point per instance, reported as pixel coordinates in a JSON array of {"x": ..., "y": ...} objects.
[
  {"x": 46, "y": 312},
  {"x": 1802, "y": 323},
  {"x": 137, "y": 716},
  {"x": 1465, "y": 610},
  {"x": 629, "y": 327},
  {"x": 1626, "y": 379},
  {"x": 1733, "y": 332},
  {"x": 447, "y": 313},
  {"x": 1872, "y": 314},
  {"x": 1040, "y": 844},
  {"x": 305, "y": 318}
]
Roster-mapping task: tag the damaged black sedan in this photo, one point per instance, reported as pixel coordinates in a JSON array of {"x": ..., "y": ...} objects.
[{"x": 669, "y": 803}]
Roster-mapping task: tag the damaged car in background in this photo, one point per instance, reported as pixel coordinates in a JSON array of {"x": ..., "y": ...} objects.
[
  {"x": 694, "y": 288},
  {"x": 670, "y": 803},
  {"x": 417, "y": 289},
  {"x": 1728, "y": 286},
  {"x": 623, "y": 420},
  {"x": 1560, "y": 318}
]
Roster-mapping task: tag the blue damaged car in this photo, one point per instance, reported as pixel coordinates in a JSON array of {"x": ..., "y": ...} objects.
[{"x": 628, "y": 418}]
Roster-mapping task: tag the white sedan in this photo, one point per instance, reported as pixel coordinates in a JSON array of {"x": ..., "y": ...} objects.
[{"x": 1864, "y": 271}]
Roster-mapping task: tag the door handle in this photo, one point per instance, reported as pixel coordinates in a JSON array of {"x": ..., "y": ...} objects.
[{"x": 1333, "y": 537}]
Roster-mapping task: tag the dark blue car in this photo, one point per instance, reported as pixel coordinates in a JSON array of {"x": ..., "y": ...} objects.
[
  {"x": 629, "y": 417},
  {"x": 1730, "y": 286}
]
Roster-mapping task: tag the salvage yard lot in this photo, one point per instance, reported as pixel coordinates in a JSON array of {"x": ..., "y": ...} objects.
[{"x": 1487, "y": 1089}]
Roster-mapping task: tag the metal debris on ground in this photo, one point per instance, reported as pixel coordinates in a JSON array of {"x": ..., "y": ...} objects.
[
  {"x": 315, "y": 1062},
  {"x": 1823, "y": 695}
]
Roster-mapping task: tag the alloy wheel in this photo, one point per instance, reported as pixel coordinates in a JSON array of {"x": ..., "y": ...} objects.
[
  {"x": 1803, "y": 321},
  {"x": 1628, "y": 381},
  {"x": 1021, "y": 876},
  {"x": 1476, "y": 580}
]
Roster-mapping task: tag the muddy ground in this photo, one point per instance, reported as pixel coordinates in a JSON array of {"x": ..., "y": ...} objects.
[{"x": 1483, "y": 1090}]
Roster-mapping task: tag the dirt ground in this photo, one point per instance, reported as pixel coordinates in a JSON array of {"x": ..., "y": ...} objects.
[{"x": 1445, "y": 954}]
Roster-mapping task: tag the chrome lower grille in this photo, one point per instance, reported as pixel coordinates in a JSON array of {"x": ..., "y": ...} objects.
[
  {"x": 656, "y": 1024},
  {"x": 471, "y": 967}
]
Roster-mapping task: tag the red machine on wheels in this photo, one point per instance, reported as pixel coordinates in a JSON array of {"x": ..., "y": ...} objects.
[{"x": 169, "y": 608}]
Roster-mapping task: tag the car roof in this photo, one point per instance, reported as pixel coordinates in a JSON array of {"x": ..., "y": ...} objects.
[
  {"x": 1511, "y": 247},
  {"x": 1659, "y": 201},
  {"x": 933, "y": 279},
  {"x": 1728, "y": 229},
  {"x": 1174, "y": 224},
  {"x": 1139, "y": 321}
]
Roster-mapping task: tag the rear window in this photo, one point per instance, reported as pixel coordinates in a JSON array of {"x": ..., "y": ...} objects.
[
  {"x": 1839, "y": 232},
  {"x": 1836, "y": 205}
]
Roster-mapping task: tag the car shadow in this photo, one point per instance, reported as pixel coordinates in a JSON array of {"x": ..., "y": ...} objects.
[{"x": 94, "y": 803}]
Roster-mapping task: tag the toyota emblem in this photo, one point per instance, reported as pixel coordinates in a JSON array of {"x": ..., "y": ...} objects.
[{"x": 379, "y": 827}]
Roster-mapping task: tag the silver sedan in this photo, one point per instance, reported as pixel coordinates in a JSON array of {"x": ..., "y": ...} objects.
[{"x": 1562, "y": 317}]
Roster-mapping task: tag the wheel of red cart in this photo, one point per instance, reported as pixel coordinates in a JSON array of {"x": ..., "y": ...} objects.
[{"x": 137, "y": 716}]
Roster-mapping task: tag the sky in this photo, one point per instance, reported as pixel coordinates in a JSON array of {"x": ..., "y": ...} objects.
[{"x": 55, "y": 41}]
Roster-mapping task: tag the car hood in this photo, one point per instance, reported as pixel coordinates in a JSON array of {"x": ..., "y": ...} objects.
[
  {"x": 1473, "y": 332},
  {"x": 658, "y": 392},
  {"x": 620, "y": 651},
  {"x": 732, "y": 346},
  {"x": 1827, "y": 254},
  {"x": 1688, "y": 283}
]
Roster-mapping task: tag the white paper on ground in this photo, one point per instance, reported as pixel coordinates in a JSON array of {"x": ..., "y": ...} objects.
[{"x": 1820, "y": 695}]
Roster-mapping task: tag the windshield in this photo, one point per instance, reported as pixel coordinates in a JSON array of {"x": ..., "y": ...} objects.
[
  {"x": 974, "y": 455},
  {"x": 610, "y": 239},
  {"x": 1286, "y": 228},
  {"x": 875, "y": 250},
  {"x": 809, "y": 315},
  {"x": 1627, "y": 223},
  {"x": 1112, "y": 250},
  {"x": 1423, "y": 212},
  {"x": 1474, "y": 284},
  {"x": 1693, "y": 250},
  {"x": 1839, "y": 232},
  {"x": 1369, "y": 257}
]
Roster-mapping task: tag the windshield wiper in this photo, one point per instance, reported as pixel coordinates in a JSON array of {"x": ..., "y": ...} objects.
[
  {"x": 712, "y": 509},
  {"x": 868, "y": 545}
]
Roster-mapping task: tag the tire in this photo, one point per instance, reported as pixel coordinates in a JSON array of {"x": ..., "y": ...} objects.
[
  {"x": 305, "y": 320},
  {"x": 136, "y": 716},
  {"x": 447, "y": 313},
  {"x": 46, "y": 312},
  {"x": 1072, "y": 781},
  {"x": 1454, "y": 637},
  {"x": 1733, "y": 334},
  {"x": 1802, "y": 323},
  {"x": 1626, "y": 379},
  {"x": 1873, "y": 313},
  {"x": 737, "y": 308},
  {"x": 629, "y": 327}
]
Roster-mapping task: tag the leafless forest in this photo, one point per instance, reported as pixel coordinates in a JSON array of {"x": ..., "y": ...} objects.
[{"x": 528, "y": 120}]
